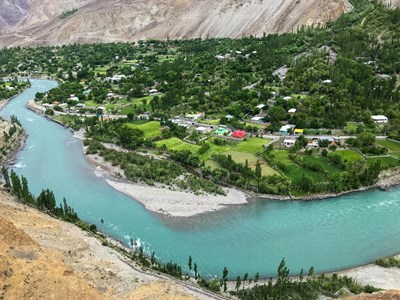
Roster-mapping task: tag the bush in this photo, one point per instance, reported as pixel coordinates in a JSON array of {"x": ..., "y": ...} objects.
[{"x": 93, "y": 228}]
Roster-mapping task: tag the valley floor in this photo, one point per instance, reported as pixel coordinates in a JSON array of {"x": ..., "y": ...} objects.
[{"x": 173, "y": 203}]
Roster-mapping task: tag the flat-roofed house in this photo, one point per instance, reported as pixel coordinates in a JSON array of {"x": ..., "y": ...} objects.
[
  {"x": 289, "y": 142},
  {"x": 380, "y": 119}
]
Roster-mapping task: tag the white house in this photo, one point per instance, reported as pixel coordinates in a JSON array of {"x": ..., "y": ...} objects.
[
  {"x": 229, "y": 117},
  {"x": 312, "y": 145},
  {"x": 153, "y": 91},
  {"x": 202, "y": 129},
  {"x": 289, "y": 143},
  {"x": 327, "y": 81},
  {"x": 286, "y": 129},
  {"x": 379, "y": 119},
  {"x": 260, "y": 106},
  {"x": 117, "y": 77},
  {"x": 257, "y": 119},
  {"x": 196, "y": 116},
  {"x": 72, "y": 97},
  {"x": 286, "y": 98},
  {"x": 292, "y": 111}
]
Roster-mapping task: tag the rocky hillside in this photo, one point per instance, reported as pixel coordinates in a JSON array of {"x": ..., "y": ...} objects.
[
  {"x": 12, "y": 11},
  {"x": 44, "y": 258},
  {"x": 59, "y": 22}
]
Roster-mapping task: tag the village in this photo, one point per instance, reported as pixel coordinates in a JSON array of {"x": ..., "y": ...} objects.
[{"x": 289, "y": 153}]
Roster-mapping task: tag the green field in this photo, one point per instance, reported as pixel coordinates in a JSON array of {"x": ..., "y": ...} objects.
[
  {"x": 100, "y": 70},
  {"x": 394, "y": 147},
  {"x": 252, "y": 158},
  {"x": 252, "y": 145},
  {"x": 150, "y": 129},
  {"x": 212, "y": 164},
  {"x": 323, "y": 162},
  {"x": 293, "y": 170},
  {"x": 240, "y": 152},
  {"x": 259, "y": 126},
  {"x": 91, "y": 103},
  {"x": 211, "y": 122},
  {"x": 386, "y": 162},
  {"x": 177, "y": 144},
  {"x": 127, "y": 110},
  {"x": 348, "y": 155}
]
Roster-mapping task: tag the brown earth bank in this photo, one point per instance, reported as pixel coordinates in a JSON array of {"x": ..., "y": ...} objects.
[
  {"x": 45, "y": 258},
  {"x": 388, "y": 295}
]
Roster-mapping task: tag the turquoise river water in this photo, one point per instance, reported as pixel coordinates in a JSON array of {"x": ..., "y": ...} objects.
[{"x": 329, "y": 234}]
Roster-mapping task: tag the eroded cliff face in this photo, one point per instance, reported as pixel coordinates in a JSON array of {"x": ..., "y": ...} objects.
[{"x": 124, "y": 20}]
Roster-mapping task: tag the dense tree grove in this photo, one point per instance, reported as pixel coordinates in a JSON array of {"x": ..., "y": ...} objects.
[
  {"x": 45, "y": 201},
  {"x": 344, "y": 71},
  {"x": 307, "y": 287}
]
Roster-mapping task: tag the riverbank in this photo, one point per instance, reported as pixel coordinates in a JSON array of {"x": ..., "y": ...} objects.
[
  {"x": 177, "y": 203},
  {"x": 13, "y": 144},
  {"x": 181, "y": 204}
]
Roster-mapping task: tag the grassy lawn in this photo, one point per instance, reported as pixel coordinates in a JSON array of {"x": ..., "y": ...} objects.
[
  {"x": 211, "y": 122},
  {"x": 150, "y": 129},
  {"x": 127, "y": 110},
  {"x": 323, "y": 162},
  {"x": 170, "y": 143},
  {"x": 394, "y": 148},
  {"x": 101, "y": 70},
  {"x": 177, "y": 145},
  {"x": 138, "y": 101},
  {"x": 214, "y": 150},
  {"x": 252, "y": 158},
  {"x": 92, "y": 103},
  {"x": 386, "y": 162},
  {"x": 212, "y": 164},
  {"x": 259, "y": 126},
  {"x": 252, "y": 145},
  {"x": 240, "y": 152},
  {"x": 348, "y": 155},
  {"x": 167, "y": 58},
  {"x": 293, "y": 170}
]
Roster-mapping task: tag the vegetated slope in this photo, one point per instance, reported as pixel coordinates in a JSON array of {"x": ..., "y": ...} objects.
[{"x": 121, "y": 20}]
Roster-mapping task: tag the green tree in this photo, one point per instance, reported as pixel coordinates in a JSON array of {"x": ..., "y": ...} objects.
[
  {"x": 258, "y": 174},
  {"x": 238, "y": 283},
  {"x": 190, "y": 262},
  {"x": 6, "y": 177}
]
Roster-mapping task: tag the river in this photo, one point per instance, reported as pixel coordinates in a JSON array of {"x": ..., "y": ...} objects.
[{"x": 330, "y": 235}]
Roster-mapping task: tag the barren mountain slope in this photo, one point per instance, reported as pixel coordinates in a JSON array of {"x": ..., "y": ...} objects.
[
  {"x": 44, "y": 258},
  {"x": 121, "y": 20},
  {"x": 12, "y": 11}
]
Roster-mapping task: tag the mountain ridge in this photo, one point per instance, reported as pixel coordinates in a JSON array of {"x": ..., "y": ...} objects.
[
  {"x": 29, "y": 22},
  {"x": 127, "y": 20}
]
